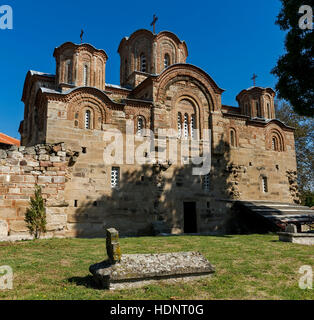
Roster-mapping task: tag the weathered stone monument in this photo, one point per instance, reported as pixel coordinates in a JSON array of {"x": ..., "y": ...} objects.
[
  {"x": 291, "y": 235},
  {"x": 135, "y": 270},
  {"x": 113, "y": 246}
]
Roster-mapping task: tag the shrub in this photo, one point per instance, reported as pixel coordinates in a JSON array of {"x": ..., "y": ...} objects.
[{"x": 35, "y": 216}]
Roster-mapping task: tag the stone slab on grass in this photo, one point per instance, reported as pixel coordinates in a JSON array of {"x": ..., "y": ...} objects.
[
  {"x": 300, "y": 238},
  {"x": 135, "y": 270}
]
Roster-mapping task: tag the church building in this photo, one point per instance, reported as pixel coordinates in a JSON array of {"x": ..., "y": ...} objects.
[{"x": 252, "y": 153}]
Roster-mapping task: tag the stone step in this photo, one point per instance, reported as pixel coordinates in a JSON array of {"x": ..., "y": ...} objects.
[
  {"x": 279, "y": 214},
  {"x": 283, "y": 211},
  {"x": 274, "y": 205}
]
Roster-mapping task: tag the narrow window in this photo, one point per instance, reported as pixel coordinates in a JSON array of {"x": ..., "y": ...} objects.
[
  {"x": 232, "y": 138},
  {"x": 206, "y": 179},
  {"x": 125, "y": 69},
  {"x": 166, "y": 61},
  {"x": 68, "y": 72},
  {"x": 115, "y": 178},
  {"x": 143, "y": 63},
  {"x": 264, "y": 184},
  {"x": 192, "y": 126},
  {"x": 87, "y": 119},
  {"x": 258, "y": 110},
  {"x": 268, "y": 111},
  {"x": 186, "y": 127},
  {"x": 274, "y": 144},
  {"x": 179, "y": 125},
  {"x": 85, "y": 74},
  {"x": 140, "y": 126}
]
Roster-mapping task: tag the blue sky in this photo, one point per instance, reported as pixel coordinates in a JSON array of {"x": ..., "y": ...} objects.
[{"x": 229, "y": 39}]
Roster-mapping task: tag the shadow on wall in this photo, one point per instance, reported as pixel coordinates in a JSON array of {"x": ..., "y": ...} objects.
[{"x": 151, "y": 200}]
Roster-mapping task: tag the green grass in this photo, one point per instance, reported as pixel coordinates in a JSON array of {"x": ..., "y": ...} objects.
[{"x": 247, "y": 267}]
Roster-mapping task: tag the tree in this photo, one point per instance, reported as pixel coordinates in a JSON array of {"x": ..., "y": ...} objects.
[
  {"x": 304, "y": 137},
  {"x": 295, "y": 69},
  {"x": 35, "y": 216}
]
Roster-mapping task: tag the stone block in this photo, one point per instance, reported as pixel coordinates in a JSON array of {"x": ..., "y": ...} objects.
[
  {"x": 17, "y": 226},
  {"x": 45, "y": 179},
  {"x": 4, "y": 229}
]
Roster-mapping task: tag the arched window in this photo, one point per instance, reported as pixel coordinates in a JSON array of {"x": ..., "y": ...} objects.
[
  {"x": 166, "y": 61},
  {"x": 85, "y": 75},
  {"x": 140, "y": 126},
  {"x": 192, "y": 127},
  {"x": 87, "y": 119},
  {"x": 179, "y": 125},
  {"x": 274, "y": 144},
  {"x": 264, "y": 184},
  {"x": 233, "y": 141},
  {"x": 186, "y": 127},
  {"x": 143, "y": 63},
  {"x": 68, "y": 72}
]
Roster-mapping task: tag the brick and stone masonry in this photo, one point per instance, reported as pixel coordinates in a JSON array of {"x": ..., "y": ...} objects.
[
  {"x": 252, "y": 153},
  {"x": 21, "y": 168}
]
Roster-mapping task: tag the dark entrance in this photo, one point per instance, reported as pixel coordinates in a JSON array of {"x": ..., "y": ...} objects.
[{"x": 190, "y": 221}]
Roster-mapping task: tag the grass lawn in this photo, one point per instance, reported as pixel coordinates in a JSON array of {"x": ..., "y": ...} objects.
[{"x": 247, "y": 267}]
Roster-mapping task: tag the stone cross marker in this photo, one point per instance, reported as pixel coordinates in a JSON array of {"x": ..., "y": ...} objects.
[{"x": 113, "y": 245}]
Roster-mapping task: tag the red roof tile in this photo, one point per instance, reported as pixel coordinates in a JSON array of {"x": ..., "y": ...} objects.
[{"x": 9, "y": 140}]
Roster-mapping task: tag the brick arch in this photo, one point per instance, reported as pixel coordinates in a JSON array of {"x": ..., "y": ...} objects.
[
  {"x": 79, "y": 103},
  {"x": 236, "y": 136},
  {"x": 166, "y": 46},
  {"x": 134, "y": 113},
  {"x": 80, "y": 108},
  {"x": 177, "y": 73},
  {"x": 197, "y": 105},
  {"x": 274, "y": 132}
]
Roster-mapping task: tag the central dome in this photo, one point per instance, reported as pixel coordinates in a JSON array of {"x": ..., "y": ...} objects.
[{"x": 145, "y": 53}]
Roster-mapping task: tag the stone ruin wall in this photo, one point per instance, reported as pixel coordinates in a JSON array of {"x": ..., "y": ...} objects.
[{"x": 21, "y": 168}]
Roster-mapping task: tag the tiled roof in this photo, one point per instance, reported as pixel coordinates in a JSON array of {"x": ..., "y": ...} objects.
[{"x": 9, "y": 140}]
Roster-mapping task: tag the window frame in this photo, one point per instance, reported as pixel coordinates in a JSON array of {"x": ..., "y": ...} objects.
[
  {"x": 85, "y": 75},
  {"x": 265, "y": 184},
  {"x": 166, "y": 60},
  {"x": 88, "y": 119},
  {"x": 143, "y": 63},
  {"x": 115, "y": 178}
]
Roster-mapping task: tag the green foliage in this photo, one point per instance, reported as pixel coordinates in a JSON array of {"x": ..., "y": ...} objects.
[
  {"x": 295, "y": 69},
  {"x": 304, "y": 137},
  {"x": 308, "y": 198},
  {"x": 35, "y": 216}
]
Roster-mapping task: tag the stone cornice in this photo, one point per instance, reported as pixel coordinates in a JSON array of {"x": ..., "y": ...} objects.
[
  {"x": 32, "y": 77},
  {"x": 67, "y": 96}
]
